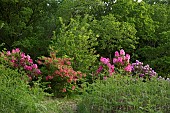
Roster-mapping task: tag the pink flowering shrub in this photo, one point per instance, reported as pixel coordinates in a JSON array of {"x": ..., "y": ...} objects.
[
  {"x": 18, "y": 60},
  {"x": 121, "y": 64},
  {"x": 59, "y": 74}
]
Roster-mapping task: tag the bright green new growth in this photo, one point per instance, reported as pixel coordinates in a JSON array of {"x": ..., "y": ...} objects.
[{"x": 77, "y": 41}]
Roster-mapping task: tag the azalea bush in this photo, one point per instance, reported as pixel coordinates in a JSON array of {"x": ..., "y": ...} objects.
[
  {"x": 16, "y": 59},
  {"x": 121, "y": 65},
  {"x": 59, "y": 75},
  {"x": 143, "y": 71}
]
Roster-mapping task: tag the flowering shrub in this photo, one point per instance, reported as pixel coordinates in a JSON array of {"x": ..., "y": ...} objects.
[
  {"x": 59, "y": 74},
  {"x": 18, "y": 59},
  {"x": 121, "y": 64},
  {"x": 143, "y": 71}
]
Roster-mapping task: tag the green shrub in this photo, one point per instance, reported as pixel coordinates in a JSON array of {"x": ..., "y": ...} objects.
[
  {"x": 77, "y": 41},
  {"x": 15, "y": 95},
  {"x": 125, "y": 94},
  {"x": 114, "y": 35}
]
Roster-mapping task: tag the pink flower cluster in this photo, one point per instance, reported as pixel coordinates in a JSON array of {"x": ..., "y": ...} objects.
[
  {"x": 18, "y": 59},
  {"x": 59, "y": 71},
  {"x": 120, "y": 61},
  {"x": 106, "y": 61}
]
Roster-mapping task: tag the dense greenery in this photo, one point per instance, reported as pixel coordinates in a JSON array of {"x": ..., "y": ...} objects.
[
  {"x": 141, "y": 28},
  {"x": 58, "y": 44}
]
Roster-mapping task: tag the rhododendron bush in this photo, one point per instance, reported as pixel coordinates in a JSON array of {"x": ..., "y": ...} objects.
[
  {"x": 59, "y": 74},
  {"x": 18, "y": 60},
  {"x": 121, "y": 65}
]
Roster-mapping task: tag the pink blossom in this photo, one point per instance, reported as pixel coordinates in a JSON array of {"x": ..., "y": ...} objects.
[
  {"x": 13, "y": 51},
  {"x": 8, "y": 53},
  {"x": 104, "y": 60},
  {"x": 13, "y": 61},
  {"x": 127, "y": 56},
  {"x": 23, "y": 55},
  {"x": 128, "y": 68},
  {"x": 34, "y": 66},
  {"x": 27, "y": 67},
  {"x": 99, "y": 69},
  {"x": 38, "y": 71},
  {"x": 73, "y": 87},
  {"x": 120, "y": 60},
  {"x": 49, "y": 77},
  {"x": 17, "y": 50},
  {"x": 104, "y": 78},
  {"x": 28, "y": 57},
  {"x": 116, "y": 54},
  {"x": 30, "y": 61},
  {"x": 111, "y": 69},
  {"x": 109, "y": 65},
  {"x": 122, "y": 52},
  {"x": 64, "y": 90},
  {"x": 114, "y": 60}
]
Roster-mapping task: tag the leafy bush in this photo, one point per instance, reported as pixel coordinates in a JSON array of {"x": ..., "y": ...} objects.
[
  {"x": 113, "y": 35},
  {"x": 60, "y": 75},
  {"x": 125, "y": 94},
  {"x": 77, "y": 41},
  {"x": 15, "y": 95}
]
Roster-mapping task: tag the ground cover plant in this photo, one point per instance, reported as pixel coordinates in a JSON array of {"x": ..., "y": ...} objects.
[
  {"x": 16, "y": 96},
  {"x": 126, "y": 94}
]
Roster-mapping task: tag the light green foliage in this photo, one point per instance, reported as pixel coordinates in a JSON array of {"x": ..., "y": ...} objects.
[
  {"x": 114, "y": 35},
  {"x": 123, "y": 94},
  {"x": 77, "y": 41},
  {"x": 16, "y": 96}
]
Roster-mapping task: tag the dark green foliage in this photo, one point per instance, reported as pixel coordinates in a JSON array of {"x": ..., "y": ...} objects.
[
  {"x": 27, "y": 24},
  {"x": 15, "y": 95},
  {"x": 114, "y": 35},
  {"x": 117, "y": 95}
]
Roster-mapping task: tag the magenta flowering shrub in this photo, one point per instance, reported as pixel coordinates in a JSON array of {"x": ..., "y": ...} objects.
[
  {"x": 19, "y": 60},
  {"x": 121, "y": 64},
  {"x": 143, "y": 71},
  {"x": 59, "y": 74},
  {"x": 121, "y": 61}
]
